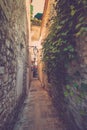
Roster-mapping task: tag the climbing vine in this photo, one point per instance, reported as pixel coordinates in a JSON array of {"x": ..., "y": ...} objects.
[
  {"x": 60, "y": 46},
  {"x": 60, "y": 52}
]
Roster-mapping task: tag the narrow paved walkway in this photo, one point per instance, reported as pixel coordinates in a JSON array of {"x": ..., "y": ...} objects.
[{"x": 38, "y": 112}]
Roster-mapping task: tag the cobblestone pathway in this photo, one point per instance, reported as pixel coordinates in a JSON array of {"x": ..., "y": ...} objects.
[{"x": 38, "y": 112}]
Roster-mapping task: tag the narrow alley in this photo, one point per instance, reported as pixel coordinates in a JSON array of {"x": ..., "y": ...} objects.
[
  {"x": 43, "y": 64},
  {"x": 38, "y": 112}
]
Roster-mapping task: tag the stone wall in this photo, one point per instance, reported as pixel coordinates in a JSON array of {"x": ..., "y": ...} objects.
[{"x": 13, "y": 58}]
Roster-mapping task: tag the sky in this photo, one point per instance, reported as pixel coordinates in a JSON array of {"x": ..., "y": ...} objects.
[{"x": 38, "y": 6}]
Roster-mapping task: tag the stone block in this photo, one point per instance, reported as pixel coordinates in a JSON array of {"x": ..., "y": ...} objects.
[
  {"x": 8, "y": 43},
  {"x": 6, "y": 77},
  {"x": 0, "y": 81},
  {"x": 86, "y": 38},
  {"x": 10, "y": 79},
  {"x": 4, "y": 58},
  {"x": 1, "y": 110},
  {"x": 1, "y": 93},
  {"x": 2, "y": 69},
  {"x": 8, "y": 52}
]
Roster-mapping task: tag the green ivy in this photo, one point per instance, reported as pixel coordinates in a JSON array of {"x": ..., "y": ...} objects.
[
  {"x": 66, "y": 93},
  {"x": 75, "y": 85},
  {"x": 59, "y": 48},
  {"x": 68, "y": 87}
]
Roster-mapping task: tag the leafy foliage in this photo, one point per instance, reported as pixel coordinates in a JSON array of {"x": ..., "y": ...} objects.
[
  {"x": 59, "y": 50},
  {"x": 31, "y": 11},
  {"x": 60, "y": 46}
]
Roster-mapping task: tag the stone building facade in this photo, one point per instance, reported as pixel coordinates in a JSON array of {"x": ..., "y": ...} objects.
[{"x": 13, "y": 59}]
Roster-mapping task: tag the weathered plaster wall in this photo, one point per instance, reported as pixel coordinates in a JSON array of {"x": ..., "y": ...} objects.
[
  {"x": 13, "y": 58},
  {"x": 35, "y": 32},
  {"x": 48, "y": 14}
]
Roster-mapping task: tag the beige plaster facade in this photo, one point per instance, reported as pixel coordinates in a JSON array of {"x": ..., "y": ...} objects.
[{"x": 49, "y": 13}]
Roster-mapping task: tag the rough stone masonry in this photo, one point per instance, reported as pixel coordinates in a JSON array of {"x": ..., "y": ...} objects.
[{"x": 13, "y": 58}]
